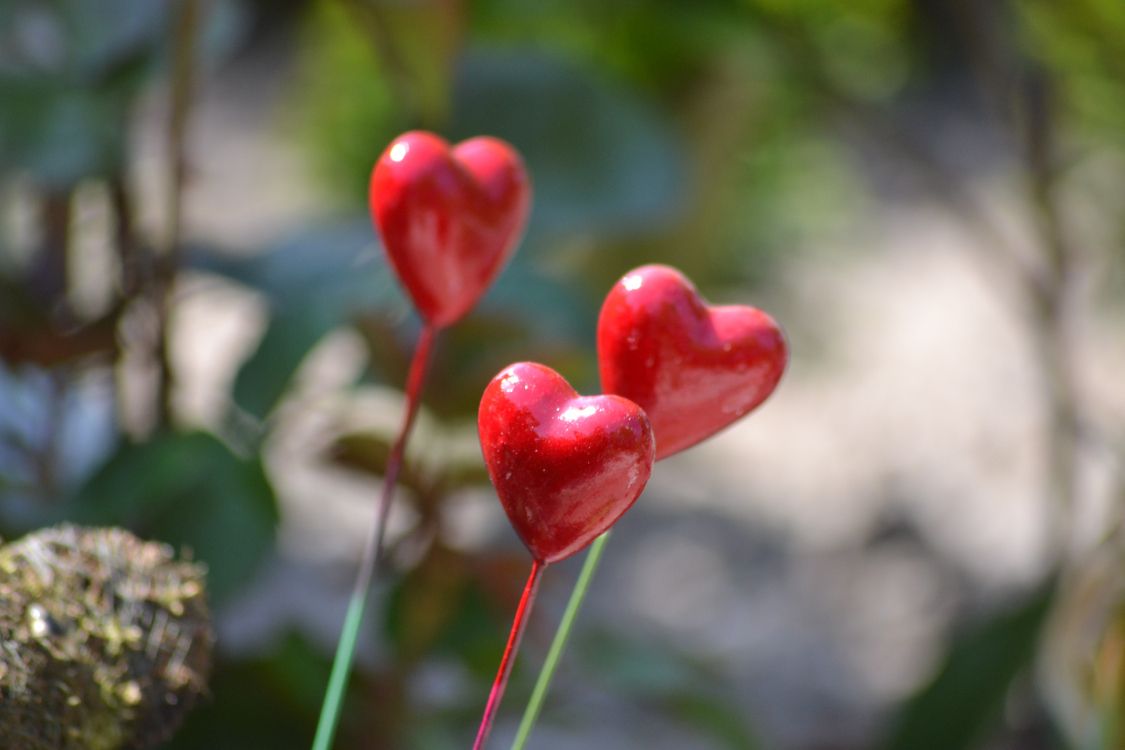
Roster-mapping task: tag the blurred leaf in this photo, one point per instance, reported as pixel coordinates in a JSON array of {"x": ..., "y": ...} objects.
[
  {"x": 526, "y": 315},
  {"x": 70, "y": 72},
  {"x": 1080, "y": 41},
  {"x": 601, "y": 161},
  {"x": 465, "y": 472},
  {"x": 679, "y": 684},
  {"x": 268, "y": 702},
  {"x": 717, "y": 718},
  {"x": 347, "y": 106},
  {"x": 290, "y": 334},
  {"x": 370, "y": 451},
  {"x": 633, "y": 666},
  {"x": 425, "y": 605},
  {"x": 61, "y": 133},
  {"x": 1106, "y": 681},
  {"x": 191, "y": 491},
  {"x": 417, "y": 44},
  {"x": 469, "y": 354},
  {"x": 540, "y": 300},
  {"x": 965, "y": 698},
  {"x": 77, "y": 37},
  {"x": 457, "y": 606},
  {"x": 661, "y": 51},
  {"x": 343, "y": 258},
  {"x": 321, "y": 279},
  {"x": 315, "y": 281},
  {"x": 75, "y": 68}
]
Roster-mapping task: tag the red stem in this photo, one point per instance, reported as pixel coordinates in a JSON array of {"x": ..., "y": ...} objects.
[
  {"x": 372, "y": 550},
  {"x": 414, "y": 380},
  {"x": 519, "y": 625}
]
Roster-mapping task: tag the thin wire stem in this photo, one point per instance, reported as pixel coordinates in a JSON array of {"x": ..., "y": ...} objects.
[
  {"x": 543, "y": 683},
  {"x": 519, "y": 625},
  {"x": 372, "y": 550}
]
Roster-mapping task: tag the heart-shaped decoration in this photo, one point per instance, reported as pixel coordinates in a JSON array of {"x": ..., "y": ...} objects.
[
  {"x": 694, "y": 369},
  {"x": 450, "y": 218},
  {"x": 565, "y": 466}
]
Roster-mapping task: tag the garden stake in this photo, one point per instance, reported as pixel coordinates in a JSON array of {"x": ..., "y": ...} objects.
[
  {"x": 565, "y": 467},
  {"x": 543, "y": 682},
  {"x": 372, "y": 549},
  {"x": 693, "y": 368},
  {"x": 519, "y": 625},
  {"x": 450, "y": 219}
]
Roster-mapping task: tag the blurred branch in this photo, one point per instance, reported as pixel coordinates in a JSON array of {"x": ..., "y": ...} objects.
[
  {"x": 1055, "y": 305},
  {"x": 48, "y": 279},
  {"x": 944, "y": 186},
  {"x": 940, "y": 182},
  {"x": 185, "y": 37},
  {"x": 133, "y": 269},
  {"x": 136, "y": 272},
  {"x": 1005, "y": 73}
]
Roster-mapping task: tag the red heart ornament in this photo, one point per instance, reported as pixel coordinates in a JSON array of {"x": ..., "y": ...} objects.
[
  {"x": 450, "y": 218},
  {"x": 694, "y": 369},
  {"x": 565, "y": 466}
]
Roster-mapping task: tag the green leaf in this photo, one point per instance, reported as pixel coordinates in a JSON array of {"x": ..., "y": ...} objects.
[
  {"x": 61, "y": 133},
  {"x": 267, "y": 702},
  {"x": 601, "y": 160},
  {"x": 191, "y": 491},
  {"x": 70, "y": 74},
  {"x": 720, "y": 720},
  {"x": 265, "y": 376},
  {"x": 963, "y": 702},
  {"x": 637, "y": 667},
  {"x": 526, "y": 315},
  {"x": 75, "y": 69},
  {"x": 425, "y": 605},
  {"x": 677, "y": 683},
  {"x": 418, "y": 44},
  {"x": 370, "y": 451},
  {"x": 315, "y": 281},
  {"x": 454, "y": 605}
]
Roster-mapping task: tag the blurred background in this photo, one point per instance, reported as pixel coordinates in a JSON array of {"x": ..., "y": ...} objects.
[{"x": 915, "y": 543}]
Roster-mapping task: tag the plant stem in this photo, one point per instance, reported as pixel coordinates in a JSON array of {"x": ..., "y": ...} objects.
[
  {"x": 531, "y": 713},
  {"x": 185, "y": 37},
  {"x": 372, "y": 549},
  {"x": 519, "y": 625},
  {"x": 48, "y": 279}
]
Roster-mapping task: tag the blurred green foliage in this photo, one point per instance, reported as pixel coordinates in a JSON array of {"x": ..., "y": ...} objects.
[
  {"x": 957, "y": 710},
  {"x": 1081, "y": 43},
  {"x": 72, "y": 71},
  {"x": 188, "y": 489},
  {"x": 719, "y": 135}
]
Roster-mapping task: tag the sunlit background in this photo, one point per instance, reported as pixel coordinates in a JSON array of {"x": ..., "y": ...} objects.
[{"x": 915, "y": 544}]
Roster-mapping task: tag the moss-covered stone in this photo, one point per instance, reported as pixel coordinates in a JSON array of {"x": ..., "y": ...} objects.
[{"x": 105, "y": 641}]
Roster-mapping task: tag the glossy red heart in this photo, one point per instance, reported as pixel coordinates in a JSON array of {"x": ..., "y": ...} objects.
[
  {"x": 450, "y": 218},
  {"x": 565, "y": 466},
  {"x": 694, "y": 369}
]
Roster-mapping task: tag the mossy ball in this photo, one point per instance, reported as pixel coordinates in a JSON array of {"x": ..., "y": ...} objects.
[{"x": 105, "y": 640}]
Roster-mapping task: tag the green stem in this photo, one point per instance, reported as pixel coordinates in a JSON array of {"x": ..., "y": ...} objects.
[
  {"x": 341, "y": 668},
  {"x": 372, "y": 549},
  {"x": 531, "y": 713}
]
